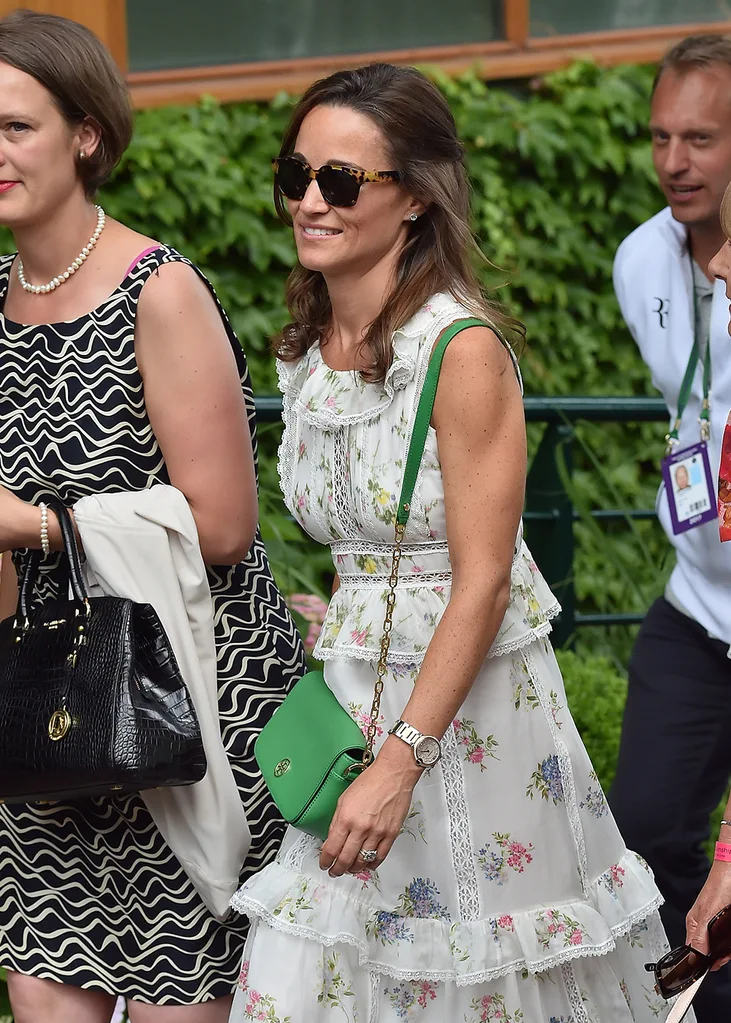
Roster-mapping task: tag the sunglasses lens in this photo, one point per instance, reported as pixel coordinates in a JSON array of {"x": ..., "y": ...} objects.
[
  {"x": 338, "y": 188},
  {"x": 292, "y": 178},
  {"x": 678, "y": 969}
]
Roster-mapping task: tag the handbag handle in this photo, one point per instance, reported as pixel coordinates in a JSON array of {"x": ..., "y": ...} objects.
[
  {"x": 413, "y": 463},
  {"x": 71, "y": 548},
  {"x": 32, "y": 567}
]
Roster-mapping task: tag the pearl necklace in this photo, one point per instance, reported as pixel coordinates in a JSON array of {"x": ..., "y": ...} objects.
[{"x": 43, "y": 289}]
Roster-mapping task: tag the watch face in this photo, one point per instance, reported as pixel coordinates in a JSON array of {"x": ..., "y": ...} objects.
[{"x": 427, "y": 751}]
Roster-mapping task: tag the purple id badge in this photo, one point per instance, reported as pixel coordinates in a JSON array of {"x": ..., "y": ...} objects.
[{"x": 689, "y": 486}]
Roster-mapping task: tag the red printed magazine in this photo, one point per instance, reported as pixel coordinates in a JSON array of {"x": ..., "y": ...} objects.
[{"x": 724, "y": 484}]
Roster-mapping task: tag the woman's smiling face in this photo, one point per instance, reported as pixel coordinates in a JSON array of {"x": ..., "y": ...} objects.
[
  {"x": 352, "y": 240},
  {"x": 38, "y": 150}
]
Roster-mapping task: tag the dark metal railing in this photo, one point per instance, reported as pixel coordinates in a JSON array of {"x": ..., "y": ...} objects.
[{"x": 549, "y": 512}]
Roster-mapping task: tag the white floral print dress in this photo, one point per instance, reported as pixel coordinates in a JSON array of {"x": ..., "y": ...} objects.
[{"x": 509, "y": 894}]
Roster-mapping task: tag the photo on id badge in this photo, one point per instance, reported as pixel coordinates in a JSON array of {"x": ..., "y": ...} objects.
[{"x": 689, "y": 486}]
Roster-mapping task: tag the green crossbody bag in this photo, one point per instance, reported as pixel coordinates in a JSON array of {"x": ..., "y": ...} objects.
[{"x": 311, "y": 749}]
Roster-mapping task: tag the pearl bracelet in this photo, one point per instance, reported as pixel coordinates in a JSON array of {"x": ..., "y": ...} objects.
[{"x": 45, "y": 542}]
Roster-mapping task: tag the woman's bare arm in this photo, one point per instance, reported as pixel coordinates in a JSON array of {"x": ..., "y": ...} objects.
[
  {"x": 197, "y": 410},
  {"x": 479, "y": 420},
  {"x": 478, "y": 417}
]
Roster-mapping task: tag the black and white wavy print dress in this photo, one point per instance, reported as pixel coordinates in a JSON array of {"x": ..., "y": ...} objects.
[{"x": 90, "y": 894}]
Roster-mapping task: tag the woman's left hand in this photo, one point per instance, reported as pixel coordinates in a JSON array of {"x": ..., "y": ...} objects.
[
  {"x": 371, "y": 813},
  {"x": 714, "y": 896}
]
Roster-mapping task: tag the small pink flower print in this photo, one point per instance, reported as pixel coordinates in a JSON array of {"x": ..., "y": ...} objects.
[
  {"x": 617, "y": 875},
  {"x": 509, "y": 854},
  {"x": 311, "y": 371},
  {"x": 330, "y": 401},
  {"x": 363, "y": 719},
  {"x": 552, "y": 924},
  {"x": 518, "y": 856},
  {"x": 426, "y": 991},
  {"x": 244, "y": 975},
  {"x": 506, "y": 922},
  {"x": 359, "y": 636},
  {"x": 301, "y": 502},
  {"x": 302, "y": 449},
  {"x": 254, "y": 997},
  {"x": 477, "y": 750},
  {"x": 363, "y": 875}
]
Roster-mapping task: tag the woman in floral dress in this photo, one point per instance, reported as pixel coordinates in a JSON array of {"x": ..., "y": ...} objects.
[{"x": 495, "y": 886}]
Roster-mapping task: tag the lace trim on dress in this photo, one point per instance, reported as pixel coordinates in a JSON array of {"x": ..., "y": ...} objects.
[
  {"x": 340, "y": 491},
  {"x": 463, "y": 952},
  {"x": 566, "y": 773},
  {"x": 463, "y": 861},
  {"x": 375, "y": 999},
  {"x": 286, "y": 453},
  {"x": 294, "y": 857},
  {"x": 576, "y": 1002},
  {"x": 357, "y": 580},
  {"x": 350, "y": 547}
]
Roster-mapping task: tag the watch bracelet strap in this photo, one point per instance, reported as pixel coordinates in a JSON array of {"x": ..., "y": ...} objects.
[
  {"x": 406, "y": 732},
  {"x": 411, "y": 472}
]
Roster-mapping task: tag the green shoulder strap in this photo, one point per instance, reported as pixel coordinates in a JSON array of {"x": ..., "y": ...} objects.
[{"x": 423, "y": 415}]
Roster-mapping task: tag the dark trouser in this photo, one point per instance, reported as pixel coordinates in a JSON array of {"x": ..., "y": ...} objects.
[{"x": 674, "y": 765}]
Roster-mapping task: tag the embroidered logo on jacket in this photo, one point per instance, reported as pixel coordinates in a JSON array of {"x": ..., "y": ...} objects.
[{"x": 663, "y": 310}]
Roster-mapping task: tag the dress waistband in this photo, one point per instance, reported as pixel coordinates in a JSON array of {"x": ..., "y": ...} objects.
[{"x": 362, "y": 563}]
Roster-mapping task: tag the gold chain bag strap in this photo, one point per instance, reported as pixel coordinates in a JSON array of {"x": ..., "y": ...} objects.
[{"x": 312, "y": 749}]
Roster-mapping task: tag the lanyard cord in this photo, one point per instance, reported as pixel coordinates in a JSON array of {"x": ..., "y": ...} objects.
[{"x": 685, "y": 388}]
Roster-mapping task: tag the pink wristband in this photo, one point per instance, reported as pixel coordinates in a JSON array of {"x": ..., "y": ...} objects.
[{"x": 723, "y": 852}]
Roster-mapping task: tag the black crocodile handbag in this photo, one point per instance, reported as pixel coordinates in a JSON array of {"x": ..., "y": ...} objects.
[{"x": 91, "y": 698}]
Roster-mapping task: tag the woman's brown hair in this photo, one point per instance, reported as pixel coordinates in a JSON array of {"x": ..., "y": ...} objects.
[
  {"x": 80, "y": 73},
  {"x": 439, "y": 255}
]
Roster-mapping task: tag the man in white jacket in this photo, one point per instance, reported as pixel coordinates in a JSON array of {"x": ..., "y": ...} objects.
[{"x": 675, "y": 753}]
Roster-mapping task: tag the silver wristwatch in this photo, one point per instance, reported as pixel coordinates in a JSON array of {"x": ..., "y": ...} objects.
[{"x": 427, "y": 749}]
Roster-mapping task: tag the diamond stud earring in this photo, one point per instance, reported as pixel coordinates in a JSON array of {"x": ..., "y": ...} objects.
[{"x": 414, "y": 217}]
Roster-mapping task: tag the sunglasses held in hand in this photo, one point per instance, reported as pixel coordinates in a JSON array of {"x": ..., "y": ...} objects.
[
  {"x": 683, "y": 967},
  {"x": 339, "y": 186}
]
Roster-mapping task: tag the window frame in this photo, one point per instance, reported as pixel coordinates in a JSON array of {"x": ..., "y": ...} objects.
[{"x": 516, "y": 56}]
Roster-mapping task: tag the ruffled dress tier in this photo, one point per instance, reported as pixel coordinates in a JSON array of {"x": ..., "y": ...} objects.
[{"x": 509, "y": 894}]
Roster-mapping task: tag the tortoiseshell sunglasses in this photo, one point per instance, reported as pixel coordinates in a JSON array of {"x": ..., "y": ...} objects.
[{"x": 339, "y": 186}]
